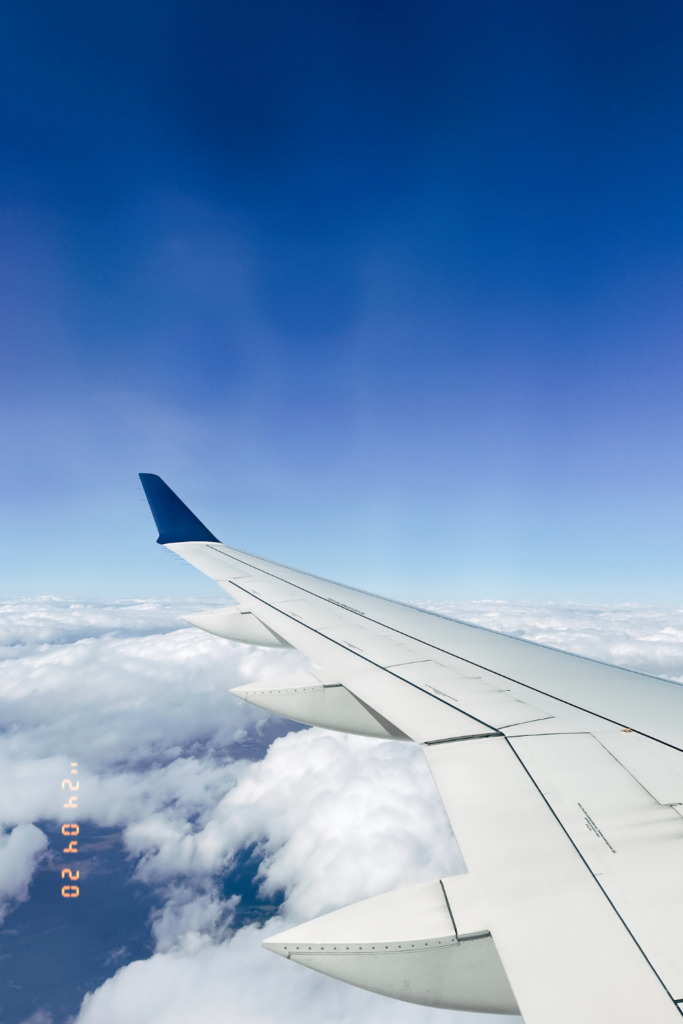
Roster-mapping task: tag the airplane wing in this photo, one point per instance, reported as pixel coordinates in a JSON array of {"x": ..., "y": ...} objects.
[{"x": 562, "y": 778}]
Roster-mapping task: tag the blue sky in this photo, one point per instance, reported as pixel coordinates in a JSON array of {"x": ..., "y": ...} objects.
[{"x": 391, "y": 292}]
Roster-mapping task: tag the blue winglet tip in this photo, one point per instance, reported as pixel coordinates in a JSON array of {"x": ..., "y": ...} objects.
[{"x": 175, "y": 522}]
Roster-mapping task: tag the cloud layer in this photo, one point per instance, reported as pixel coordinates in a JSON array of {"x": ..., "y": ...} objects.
[
  {"x": 20, "y": 852},
  {"x": 197, "y": 783}
]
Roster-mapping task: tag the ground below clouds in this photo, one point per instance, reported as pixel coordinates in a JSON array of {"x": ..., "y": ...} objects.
[{"x": 205, "y": 823}]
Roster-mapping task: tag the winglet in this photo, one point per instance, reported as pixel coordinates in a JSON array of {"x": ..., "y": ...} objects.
[{"x": 174, "y": 520}]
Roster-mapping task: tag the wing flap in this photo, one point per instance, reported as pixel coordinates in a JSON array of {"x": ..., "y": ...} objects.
[
  {"x": 568, "y": 955},
  {"x": 632, "y": 843},
  {"x": 659, "y": 769}
]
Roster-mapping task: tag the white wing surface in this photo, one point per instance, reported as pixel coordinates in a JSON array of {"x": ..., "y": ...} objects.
[{"x": 562, "y": 778}]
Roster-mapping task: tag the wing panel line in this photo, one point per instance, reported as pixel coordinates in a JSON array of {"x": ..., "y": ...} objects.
[
  {"x": 590, "y": 871},
  {"x": 426, "y": 643},
  {"x": 595, "y": 878},
  {"x": 424, "y": 611},
  {"x": 364, "y": 657}
]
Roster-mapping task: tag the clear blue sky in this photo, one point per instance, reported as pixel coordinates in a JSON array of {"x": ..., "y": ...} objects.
[{"x": 390, "y": 291}]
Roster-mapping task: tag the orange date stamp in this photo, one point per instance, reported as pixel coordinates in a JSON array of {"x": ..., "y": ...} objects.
[{"x": 70, "y": 830}]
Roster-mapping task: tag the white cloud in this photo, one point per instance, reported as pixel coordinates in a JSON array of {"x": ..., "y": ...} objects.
[
  {"x": 39, "y": 1017},
  {"x": 121, "y": 700},
  {"x": 336, "y": 818},
  {"x": 238, "y": 981},
  {"x": 20, "y": 852},
  {"x": 167, "y": 755},
  {"x": 191, "y": 920},
  {"x": 53, "y": 620}
]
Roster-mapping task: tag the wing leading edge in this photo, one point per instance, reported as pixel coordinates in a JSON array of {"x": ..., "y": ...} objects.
[{"x": 562, "y": 778}]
